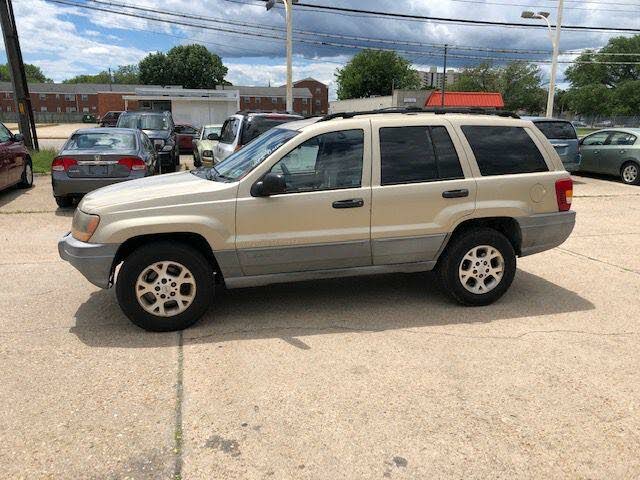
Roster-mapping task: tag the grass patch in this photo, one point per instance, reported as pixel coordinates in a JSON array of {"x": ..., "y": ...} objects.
[
  {"x": 585, "y": 131},
  {"x": 42, "y": 160}
]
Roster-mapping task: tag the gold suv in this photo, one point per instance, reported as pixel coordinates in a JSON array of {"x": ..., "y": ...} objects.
[{"x": 342, "y": 195}]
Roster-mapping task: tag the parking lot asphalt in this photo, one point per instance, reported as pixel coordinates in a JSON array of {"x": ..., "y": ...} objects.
[{"x": 375, "y": 377}]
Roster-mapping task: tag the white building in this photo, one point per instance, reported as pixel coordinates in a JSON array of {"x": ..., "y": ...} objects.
[{"x": 435, "y": 79}]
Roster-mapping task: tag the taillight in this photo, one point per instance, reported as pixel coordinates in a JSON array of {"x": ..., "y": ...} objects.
[
  {"x": 132, "y": 163},
  {"x": 564, "y": 193},
  {"x": 62, "y": 164}
]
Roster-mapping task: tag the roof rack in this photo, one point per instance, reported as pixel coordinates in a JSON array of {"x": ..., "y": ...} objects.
[
  {"x": 276, "y": 112},
  {"x": 436, "y": 110}
]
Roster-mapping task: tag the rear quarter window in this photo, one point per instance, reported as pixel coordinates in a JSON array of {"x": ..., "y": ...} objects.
[
  {"x": 557, "y": 130},
  {"x": 504, "y": 150},
  {"x": 256, "y": 126}
]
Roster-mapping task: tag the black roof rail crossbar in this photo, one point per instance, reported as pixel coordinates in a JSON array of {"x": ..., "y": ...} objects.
[
  {"x": 278, "y": 112},
  {"x": 436, "y": 110}
]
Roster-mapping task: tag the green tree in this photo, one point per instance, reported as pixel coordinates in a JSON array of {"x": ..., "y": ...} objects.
[
  {"x": 520, "y": 87},
  {"x": 375, "y": 72},
  {"x": 192, "y": 66},
  {"x": 123, "y": 74},
  {"x": 625, "y": 98},
  {"x": 481, "y": 78},
  {"x": 594, "y": 99},
  {"x": 33, "y": 72}
]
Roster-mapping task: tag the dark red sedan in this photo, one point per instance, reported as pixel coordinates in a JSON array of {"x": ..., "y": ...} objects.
[
  {"x": 186, "y": 135},
  {"x": 15, "y": 162}
]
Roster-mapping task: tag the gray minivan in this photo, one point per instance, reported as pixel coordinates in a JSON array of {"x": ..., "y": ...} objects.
[{"x": 562, "y": 135}]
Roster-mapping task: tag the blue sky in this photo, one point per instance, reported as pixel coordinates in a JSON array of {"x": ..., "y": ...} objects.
[{"x": 65, "y": 41}]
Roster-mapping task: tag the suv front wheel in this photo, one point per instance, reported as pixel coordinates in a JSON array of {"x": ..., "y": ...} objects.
[
  {"x": 478, "y": 266},
  {"x": 165, "y": 286}
]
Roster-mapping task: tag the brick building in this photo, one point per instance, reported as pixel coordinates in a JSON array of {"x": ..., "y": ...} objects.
[{"x": 319, "y": 92}]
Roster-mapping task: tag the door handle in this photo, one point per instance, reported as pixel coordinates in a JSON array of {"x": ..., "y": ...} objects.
[
  {"x": 596, "y": 151},
  {"x": 622, "y": 151},
  {"x": 463, "y": 192},
  {"x": 351, "y": 203}
]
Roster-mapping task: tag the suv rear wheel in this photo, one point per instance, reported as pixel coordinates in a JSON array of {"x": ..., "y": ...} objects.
[
  {"x": 478, "y": 266},
  {"x": 165, "y": 286}
]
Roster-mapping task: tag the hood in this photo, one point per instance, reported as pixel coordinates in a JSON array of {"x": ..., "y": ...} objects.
[
  {"x": 163, "y": 134},
  {"x": 153, "y": 192}
]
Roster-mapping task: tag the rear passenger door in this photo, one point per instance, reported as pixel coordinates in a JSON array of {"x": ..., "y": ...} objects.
[{"x": 422, "y": 187}]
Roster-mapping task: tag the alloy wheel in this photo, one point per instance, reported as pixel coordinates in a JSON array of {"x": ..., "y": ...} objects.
[
  {"x": 165, "y": 288},
  {"x": 630, "y": 173},
  {"x": 481, "y": 269}
]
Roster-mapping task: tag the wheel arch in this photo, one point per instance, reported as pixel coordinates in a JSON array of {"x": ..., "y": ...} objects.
[
  {"x": 194, "y": 240},
  {"x": 508, "y": 226}
]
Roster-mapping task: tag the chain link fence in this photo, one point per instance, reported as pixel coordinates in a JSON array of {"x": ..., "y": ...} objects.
[{"x": 604, "y": 121}]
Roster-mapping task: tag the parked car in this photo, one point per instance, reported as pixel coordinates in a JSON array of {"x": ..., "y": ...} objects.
[
  {"x": 241, "y": 128},
  {"x": 186, "y": 134},
  {"x": 160, "y": 129},
  {"x": 205, "y": 144},
  {"x": 94, "y": 157},
  {"x": 613, "y": 152},
  {"x": 355, "y": 194},
  {"x": 562, "y": 135},
  {"x": 110, "y": 119},
  {"x": 579, "y": 124},
  {"x": 15, "y": 163}
]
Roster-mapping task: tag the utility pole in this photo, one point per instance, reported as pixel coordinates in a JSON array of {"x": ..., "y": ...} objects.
[
  {"x": 26, "y": 122},
  {"x": 288, "y": 6},
  {"x": 444, "y": 74}
]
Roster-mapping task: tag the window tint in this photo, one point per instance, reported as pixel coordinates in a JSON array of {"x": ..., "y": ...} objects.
[
  {"x": 102, "y": 141},
  {"x": 5, "y": 135},
  {"x": 229, "y": 130},
  {"x": 557, "y": 130},
  {"x": 257, "y": 125},
  {"x": 417, "y": 154},
  {"x": 596, "y": 139},
  {"x": 622, "y": 138},
  {"x": 504, "y": 150},
  {"x": 328, "y": 161}
]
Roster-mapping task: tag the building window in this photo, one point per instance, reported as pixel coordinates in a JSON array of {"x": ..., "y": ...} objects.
[
  {"x": 246, "y": 99},
  {"x": 43, "y": 109},
  {"x": 305, "y": 101},
  {"x": 317, "y": 89},
  {"x": 93, "y": 108},
  {"x": 304, "y": 112},
  {"x": 57, "y": 96},
  {"x": 317, "y": 103},
  {"x": 58, "y": 109},
  {"x": 9, "y": 108},
  {"x": 8, "y": 95},
  {"x": 84, "y": 97},
  {"x": 71, "y": 109},
  {"x": 69, "y": 97},
  {"x": 42, "y": 96},
  {"x": 258, "y": 99},
  {"x": 85, "y": 109}
]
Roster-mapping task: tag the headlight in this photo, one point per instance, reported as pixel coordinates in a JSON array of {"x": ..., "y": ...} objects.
[
  {"x": 167, "y": 148},
  {"x": 207, "y": 153},
  {"x": 84, "y": 225}
]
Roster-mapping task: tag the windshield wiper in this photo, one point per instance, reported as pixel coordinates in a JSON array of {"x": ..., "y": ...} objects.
[{"x": 217, "y": 174}]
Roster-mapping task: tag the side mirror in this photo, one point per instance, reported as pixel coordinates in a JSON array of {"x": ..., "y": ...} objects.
[
  {"x": 213, "y": 136},
  {"x": 271, "y": 184},
  {"x": 18, "y": 137}
]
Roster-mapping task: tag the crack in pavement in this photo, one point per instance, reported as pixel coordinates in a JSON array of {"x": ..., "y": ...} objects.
[{"x": 582, "y": 255}]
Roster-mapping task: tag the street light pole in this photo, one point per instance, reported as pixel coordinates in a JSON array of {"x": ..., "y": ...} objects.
[
  {"x": 288, "y": 6},
  {"x": 555, "y": 43}
]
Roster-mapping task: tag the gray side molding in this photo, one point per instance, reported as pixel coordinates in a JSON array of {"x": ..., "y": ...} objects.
[{"x": 545, "y": 231}]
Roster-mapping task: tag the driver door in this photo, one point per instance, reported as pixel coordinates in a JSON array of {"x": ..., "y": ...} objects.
[{"x": 322, "y": 221}]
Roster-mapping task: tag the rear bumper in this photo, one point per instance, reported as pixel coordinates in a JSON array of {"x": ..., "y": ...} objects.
[
  {"x": 93, "y": 260},
  {"x": 64, "y": 185},
  {"x": 545, "y": 231}
]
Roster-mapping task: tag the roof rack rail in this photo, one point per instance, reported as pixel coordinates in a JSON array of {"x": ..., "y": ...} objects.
[
  {"x": 436, "y": 110},
  {"x": 277, "y": 112}
]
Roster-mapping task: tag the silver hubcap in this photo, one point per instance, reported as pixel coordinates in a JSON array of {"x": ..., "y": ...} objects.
[
  {"x": 165, "y": 289},
  {"x": 28, "y": 174},
  {"x": 630, "y": 173},
  {"x": 481, "y": 269}
]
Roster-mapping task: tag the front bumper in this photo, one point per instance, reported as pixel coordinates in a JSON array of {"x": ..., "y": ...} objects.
[
  {"x": 93, "y": 260},
  {"x": 545, "y": 231}
]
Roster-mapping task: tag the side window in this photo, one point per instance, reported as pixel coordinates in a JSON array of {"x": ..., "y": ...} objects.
[
  {"x": 325, "y": 162},
  {"x": 596, "y": 139},
  {"x": 504, "y": 150},
  {"x": 622, "y": 138},
  {"x": 229, "y": 130},
  {"x": 5, "y": 135},
  {"x": 417, "y": 154}
]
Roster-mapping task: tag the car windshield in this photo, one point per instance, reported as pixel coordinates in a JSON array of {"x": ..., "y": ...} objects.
[
  {"x": 144, "y": 122},
  {"x": 207, "y": 130},
  {"x": 557, "y": 130},
  {"x": 102, "y": 141},
  {"x": 238, "y": 164}
]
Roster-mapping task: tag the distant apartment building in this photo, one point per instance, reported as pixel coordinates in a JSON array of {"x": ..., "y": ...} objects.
[{"x": 434, "y": 79}]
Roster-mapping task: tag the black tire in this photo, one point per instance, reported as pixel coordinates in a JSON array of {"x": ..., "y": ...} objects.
[
  {"x": 453, "y": 256},
  {"x": 158, "y": 252},
  {"x": 26, "y": 181},
  {"x": 64, "y": 202},
  {"x": 624, "y": 174}
]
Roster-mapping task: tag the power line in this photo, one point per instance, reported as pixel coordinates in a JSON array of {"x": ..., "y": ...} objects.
[
  {"x": 321, "y": 43},
  {"x": 481, "y": 2}
]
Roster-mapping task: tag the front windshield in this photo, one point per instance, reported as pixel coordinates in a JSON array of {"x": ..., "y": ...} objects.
[
  {"x": 208, "y": 130},
  {"x": 238, "y": 164},
  {"x": 144, "y": 122}
]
